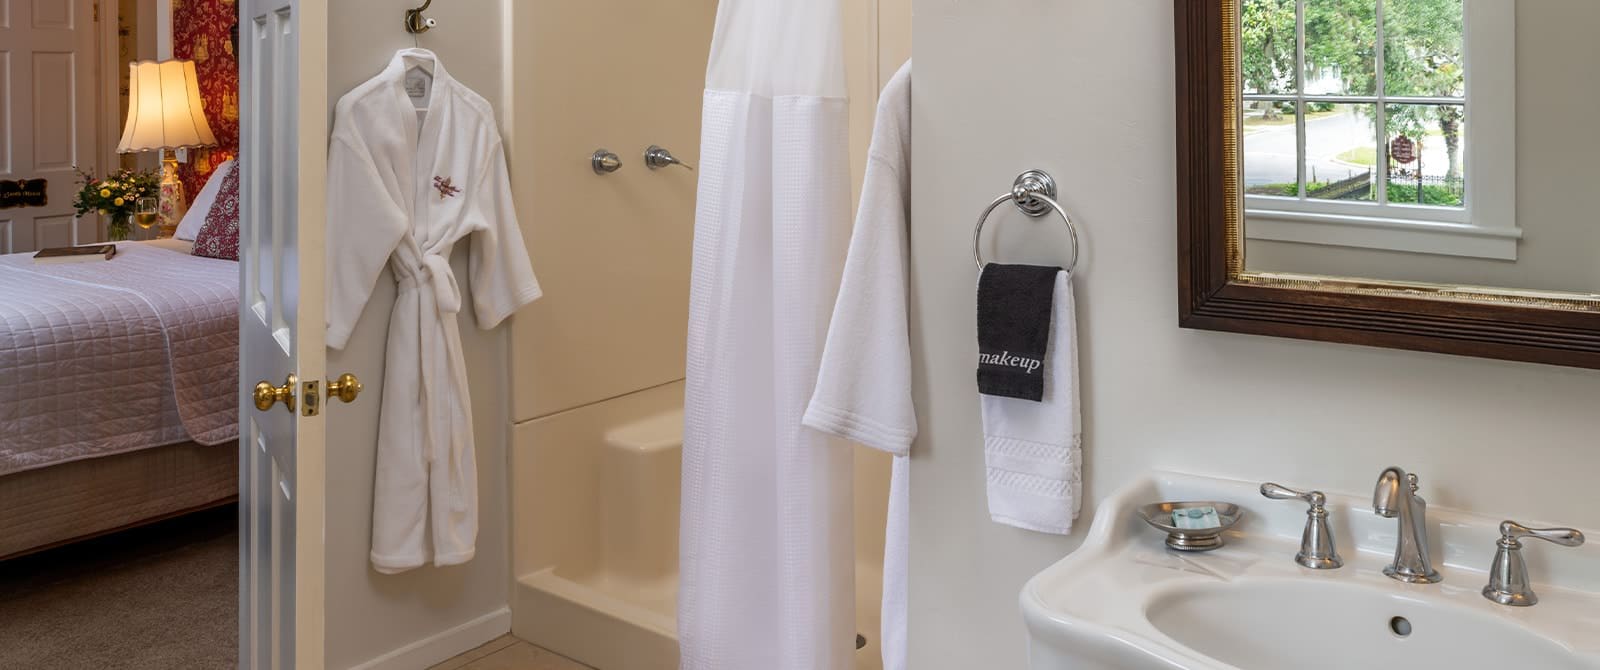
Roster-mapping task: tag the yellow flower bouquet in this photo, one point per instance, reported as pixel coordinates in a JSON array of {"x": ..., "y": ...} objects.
[{"x": 115, "y": 197}]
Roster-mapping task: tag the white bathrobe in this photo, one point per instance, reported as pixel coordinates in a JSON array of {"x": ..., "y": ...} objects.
[
  {"x": 864, "y": 385},
  {"x": 414, "y": 166}
]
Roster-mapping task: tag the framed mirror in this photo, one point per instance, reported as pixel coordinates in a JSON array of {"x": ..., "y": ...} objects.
[{"x": 1413, "y": 174}]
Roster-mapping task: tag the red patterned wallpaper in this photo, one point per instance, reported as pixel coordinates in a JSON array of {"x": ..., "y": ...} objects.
[{"x": 201, "y": 31}]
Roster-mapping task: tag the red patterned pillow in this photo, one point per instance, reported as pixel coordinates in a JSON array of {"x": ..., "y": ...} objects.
[{"x": 219, "y": 237}]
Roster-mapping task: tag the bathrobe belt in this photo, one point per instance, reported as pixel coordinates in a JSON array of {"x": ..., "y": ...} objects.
[
  {"x": 440, "y": 386},
  {"x": 446, "y": 293}
]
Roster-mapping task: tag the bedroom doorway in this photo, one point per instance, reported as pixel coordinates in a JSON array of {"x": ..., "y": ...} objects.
[
  {"x": 151, "y": 515},
  {"x": 118, "y": 377}
]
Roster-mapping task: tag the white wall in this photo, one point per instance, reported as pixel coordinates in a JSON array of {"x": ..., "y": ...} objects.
[
  {"x": 1084, "y": 89},
  {"x": 370, "y": 614}
]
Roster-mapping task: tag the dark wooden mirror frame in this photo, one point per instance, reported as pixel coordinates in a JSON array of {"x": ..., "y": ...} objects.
[{"x": 1216, "y": 293}]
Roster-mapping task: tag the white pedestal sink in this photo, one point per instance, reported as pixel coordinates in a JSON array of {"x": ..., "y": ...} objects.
[{"x": 1124, "y": 601}]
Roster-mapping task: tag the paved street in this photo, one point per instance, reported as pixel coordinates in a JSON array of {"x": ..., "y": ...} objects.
[{"x": 1269, "y": 151}]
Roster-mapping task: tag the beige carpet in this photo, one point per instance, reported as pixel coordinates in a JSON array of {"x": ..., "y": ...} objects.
[{"x": 160, "y": 597}]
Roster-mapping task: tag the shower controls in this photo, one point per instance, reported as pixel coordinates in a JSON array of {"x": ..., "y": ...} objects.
[
  {"x": 657, "y": 157},
  {"x": 605, "y": 161}
]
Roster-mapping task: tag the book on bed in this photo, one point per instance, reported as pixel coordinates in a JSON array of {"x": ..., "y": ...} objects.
[{"x": 92, "y": 252}]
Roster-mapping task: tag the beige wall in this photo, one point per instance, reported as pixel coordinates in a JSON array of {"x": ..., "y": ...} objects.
[
  {"x": 369, "y": 614},
  {"x": 1084, "y": 89},
  {"x": 612, "y": 251},
  {"x": 1556, "y": 145},
  {"x": 877, "y": 42}
]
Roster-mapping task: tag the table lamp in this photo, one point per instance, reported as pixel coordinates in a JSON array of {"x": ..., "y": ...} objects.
[{"x": 164, "y": 114}]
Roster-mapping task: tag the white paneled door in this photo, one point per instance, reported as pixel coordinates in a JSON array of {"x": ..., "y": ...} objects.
[
  {"x": 47, "y": 117},
  {"x": 283, "y": 131}
]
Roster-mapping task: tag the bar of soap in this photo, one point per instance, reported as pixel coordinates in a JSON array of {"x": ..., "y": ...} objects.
[{"x": 1196, "y": 518}]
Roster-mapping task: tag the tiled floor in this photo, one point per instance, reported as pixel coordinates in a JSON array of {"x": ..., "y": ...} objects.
[{"x": 509, "y": 653}]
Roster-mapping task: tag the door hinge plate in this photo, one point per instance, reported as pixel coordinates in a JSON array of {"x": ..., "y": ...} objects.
[{"x": 310, "y": 399}]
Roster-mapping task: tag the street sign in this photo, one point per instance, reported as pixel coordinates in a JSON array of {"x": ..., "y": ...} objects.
[{"x": 1402, "y": 150}]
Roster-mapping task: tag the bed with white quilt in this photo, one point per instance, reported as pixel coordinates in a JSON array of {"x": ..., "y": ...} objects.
[{"x": 118, "y": 391}]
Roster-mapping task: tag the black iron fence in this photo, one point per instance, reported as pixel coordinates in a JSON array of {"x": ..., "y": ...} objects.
[{"x": 1403, "y": 187}]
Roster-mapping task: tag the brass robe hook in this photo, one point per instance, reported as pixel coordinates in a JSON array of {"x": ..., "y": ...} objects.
[{"x": 416, "y": 23}]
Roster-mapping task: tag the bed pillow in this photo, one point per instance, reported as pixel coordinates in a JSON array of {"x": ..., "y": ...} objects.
[
  {"x": 195, "y": 218},
  {"x": 219, "y": 237}
]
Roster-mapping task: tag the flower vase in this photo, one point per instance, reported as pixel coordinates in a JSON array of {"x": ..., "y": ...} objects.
[{"x": 119, "y": 227}]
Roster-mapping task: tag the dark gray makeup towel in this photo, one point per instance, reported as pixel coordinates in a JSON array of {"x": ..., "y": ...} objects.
[{"x": 1014, "y": 306}]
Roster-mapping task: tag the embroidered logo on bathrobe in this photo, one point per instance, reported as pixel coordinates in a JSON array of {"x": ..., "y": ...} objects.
[{"x": 446, "y": 189}]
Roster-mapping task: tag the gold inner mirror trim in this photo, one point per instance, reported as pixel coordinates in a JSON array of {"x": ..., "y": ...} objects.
[
  {"x": 1233, "y": 155},
  {"x": 1232, "y": 149},
  {"x": 1579, "y": 302}
]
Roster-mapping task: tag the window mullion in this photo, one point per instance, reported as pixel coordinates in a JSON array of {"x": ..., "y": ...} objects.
[
  {"x": 1300, "y": 97},
  {"x": 1382, "y": 112}
]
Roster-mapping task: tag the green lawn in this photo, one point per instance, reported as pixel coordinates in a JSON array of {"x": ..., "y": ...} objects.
[
  {"x": 1289, "y": 189},
  {"x": 1366, "y": 156}
]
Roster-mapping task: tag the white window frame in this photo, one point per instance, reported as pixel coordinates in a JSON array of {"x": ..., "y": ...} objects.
[{"x": 1486, "y": 227}]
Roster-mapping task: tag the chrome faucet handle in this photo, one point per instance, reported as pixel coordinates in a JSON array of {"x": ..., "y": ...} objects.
[
  {"x": 1281, "y": 492},
  {"x": 1512, "y": 531},
  {"x": 1316, "y": 543},
  {"x": 1508, "y": 575}
]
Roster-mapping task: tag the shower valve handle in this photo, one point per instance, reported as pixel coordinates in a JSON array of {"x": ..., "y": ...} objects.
[{"x": 657, "y": 157}]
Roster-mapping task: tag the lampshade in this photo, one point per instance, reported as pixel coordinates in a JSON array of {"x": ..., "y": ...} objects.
[{"x": 164, "y": 108}]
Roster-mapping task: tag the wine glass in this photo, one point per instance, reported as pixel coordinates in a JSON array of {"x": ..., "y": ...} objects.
[{"x": 145, "y": 213}]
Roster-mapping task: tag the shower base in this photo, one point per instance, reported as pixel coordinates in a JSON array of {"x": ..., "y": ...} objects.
[
  {"x": 600, "y": 626},
  {"x": 595, "y": 495},
  {"x": 595, "y": 623}
]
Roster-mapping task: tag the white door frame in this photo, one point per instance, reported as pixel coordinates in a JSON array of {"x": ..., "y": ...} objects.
[
  {"x": 311, "y": 550},
  {"x": 282, "y": 465},
  {"x": 108, "y": 63}
]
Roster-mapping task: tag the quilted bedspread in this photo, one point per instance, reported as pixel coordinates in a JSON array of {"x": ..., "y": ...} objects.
[{"x": 99, "y": 358}]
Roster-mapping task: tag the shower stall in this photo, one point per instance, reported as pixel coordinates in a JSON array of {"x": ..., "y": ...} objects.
[{"x": 598, "y": 363}]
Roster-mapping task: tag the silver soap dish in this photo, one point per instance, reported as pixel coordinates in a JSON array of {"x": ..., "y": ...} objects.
[{"x": 1159, "y": 515}]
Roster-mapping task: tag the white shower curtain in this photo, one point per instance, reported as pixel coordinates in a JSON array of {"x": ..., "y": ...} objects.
[{"x": 766, "y": 542}]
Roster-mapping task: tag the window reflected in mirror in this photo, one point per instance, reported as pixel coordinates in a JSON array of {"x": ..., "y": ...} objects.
[{"x": 1433, "y": 141}]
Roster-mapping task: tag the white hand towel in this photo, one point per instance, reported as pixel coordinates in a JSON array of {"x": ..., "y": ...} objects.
[{"x": 1032, "y": 449}]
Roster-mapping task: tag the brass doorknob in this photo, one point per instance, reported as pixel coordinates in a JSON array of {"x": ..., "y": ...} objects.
[
  {"x": 346, "y": 387},
  {"x": 267, "y": 395}
]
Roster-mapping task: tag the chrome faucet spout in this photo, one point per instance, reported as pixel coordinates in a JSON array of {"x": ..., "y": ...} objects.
[
  {"x": 1386, "y": 495},
  {"x": 1396, "y": 496}
]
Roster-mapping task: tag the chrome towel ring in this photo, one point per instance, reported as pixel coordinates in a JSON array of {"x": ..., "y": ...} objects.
[{"x": 1034, "y": 193}]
